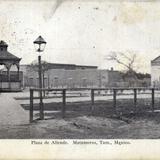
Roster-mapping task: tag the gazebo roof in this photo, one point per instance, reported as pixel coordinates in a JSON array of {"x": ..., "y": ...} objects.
[
  {"x": 3, "y": 43},
  {"x": 5, "y": 55}
]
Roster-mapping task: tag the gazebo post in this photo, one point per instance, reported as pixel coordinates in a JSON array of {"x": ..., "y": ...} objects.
[
  {"x": 18, "y": 72},
  {"x": 9, "y": 77}
]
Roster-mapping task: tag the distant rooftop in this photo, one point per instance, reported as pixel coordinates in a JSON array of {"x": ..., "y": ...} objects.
[
  {"x": 156, "y": 61},
  {"x": 67, "y": 66}
]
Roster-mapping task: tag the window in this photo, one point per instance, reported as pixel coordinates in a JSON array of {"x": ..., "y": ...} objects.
[
  {"x": 31, "y": 81},
  {"x": 55, "y": 81},
  {"x": 84, "y": 82}
]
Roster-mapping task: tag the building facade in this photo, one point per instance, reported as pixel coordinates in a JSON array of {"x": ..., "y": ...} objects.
[
  {"x": 70, "y": 76},
  {"x": 155, "y": 72}
]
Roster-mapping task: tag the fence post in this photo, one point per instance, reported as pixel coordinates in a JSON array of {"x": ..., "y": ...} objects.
[
  {"x": 92, "y": 96},
  {"x": 114, "y": 100},
  {"x": 31, "y": 105},
  {"x": 64, "y": 103},
  {"x": 92, "y": 101},
  {"x": 152, "y": 99},
  {"x": 135, "y": 99}
]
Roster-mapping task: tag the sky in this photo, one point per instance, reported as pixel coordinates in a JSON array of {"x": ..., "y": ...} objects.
[{"x": 82, "y": 32}]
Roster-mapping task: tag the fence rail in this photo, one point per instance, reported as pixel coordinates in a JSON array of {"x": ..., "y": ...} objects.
[{"x": 92, "y": 95}]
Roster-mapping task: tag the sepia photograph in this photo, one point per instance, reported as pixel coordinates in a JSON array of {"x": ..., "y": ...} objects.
[
  {"x": 79, "y": 70},
  {"x": 73, "y": 69}
]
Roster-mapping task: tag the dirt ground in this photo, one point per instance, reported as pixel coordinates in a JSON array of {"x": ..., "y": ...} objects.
[
  {"x": 81, "y": 123},
  {"x": 90, "y": 127}
]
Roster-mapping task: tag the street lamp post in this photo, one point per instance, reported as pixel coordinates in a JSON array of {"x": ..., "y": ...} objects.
[{"x": 39, "y": 44}]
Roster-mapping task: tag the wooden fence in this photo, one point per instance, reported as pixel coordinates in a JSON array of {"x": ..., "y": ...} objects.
[{"x": 92, "y": 95}]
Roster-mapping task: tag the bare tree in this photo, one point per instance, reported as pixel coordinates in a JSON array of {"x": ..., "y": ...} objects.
[{"x": 127, "y": 60}]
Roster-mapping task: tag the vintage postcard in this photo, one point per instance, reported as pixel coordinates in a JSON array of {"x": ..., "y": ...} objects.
[{"x": 79, "y": 79}]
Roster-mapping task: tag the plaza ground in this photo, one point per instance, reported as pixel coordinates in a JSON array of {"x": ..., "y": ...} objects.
[{"x": 79, "y": 122}]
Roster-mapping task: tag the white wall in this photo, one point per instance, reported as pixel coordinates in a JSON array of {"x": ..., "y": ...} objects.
[{"x": 155, "y": 75}]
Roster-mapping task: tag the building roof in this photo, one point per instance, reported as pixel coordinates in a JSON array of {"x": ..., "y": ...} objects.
[
  {"x": 69, "y": 66},
  {"x": 66, "y": 66},
  {"x": 156, "y": 61}
]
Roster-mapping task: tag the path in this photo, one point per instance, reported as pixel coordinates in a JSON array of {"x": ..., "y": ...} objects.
[{"x": 11, "y": 113}]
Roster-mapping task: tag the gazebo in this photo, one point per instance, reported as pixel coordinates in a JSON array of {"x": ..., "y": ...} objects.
[{"x": 8, "y": 81}]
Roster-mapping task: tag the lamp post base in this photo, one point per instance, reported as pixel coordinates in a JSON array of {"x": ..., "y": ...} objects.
[
  {"x": 41, "y": 111},
  {"x": 40, "y": 92}
]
